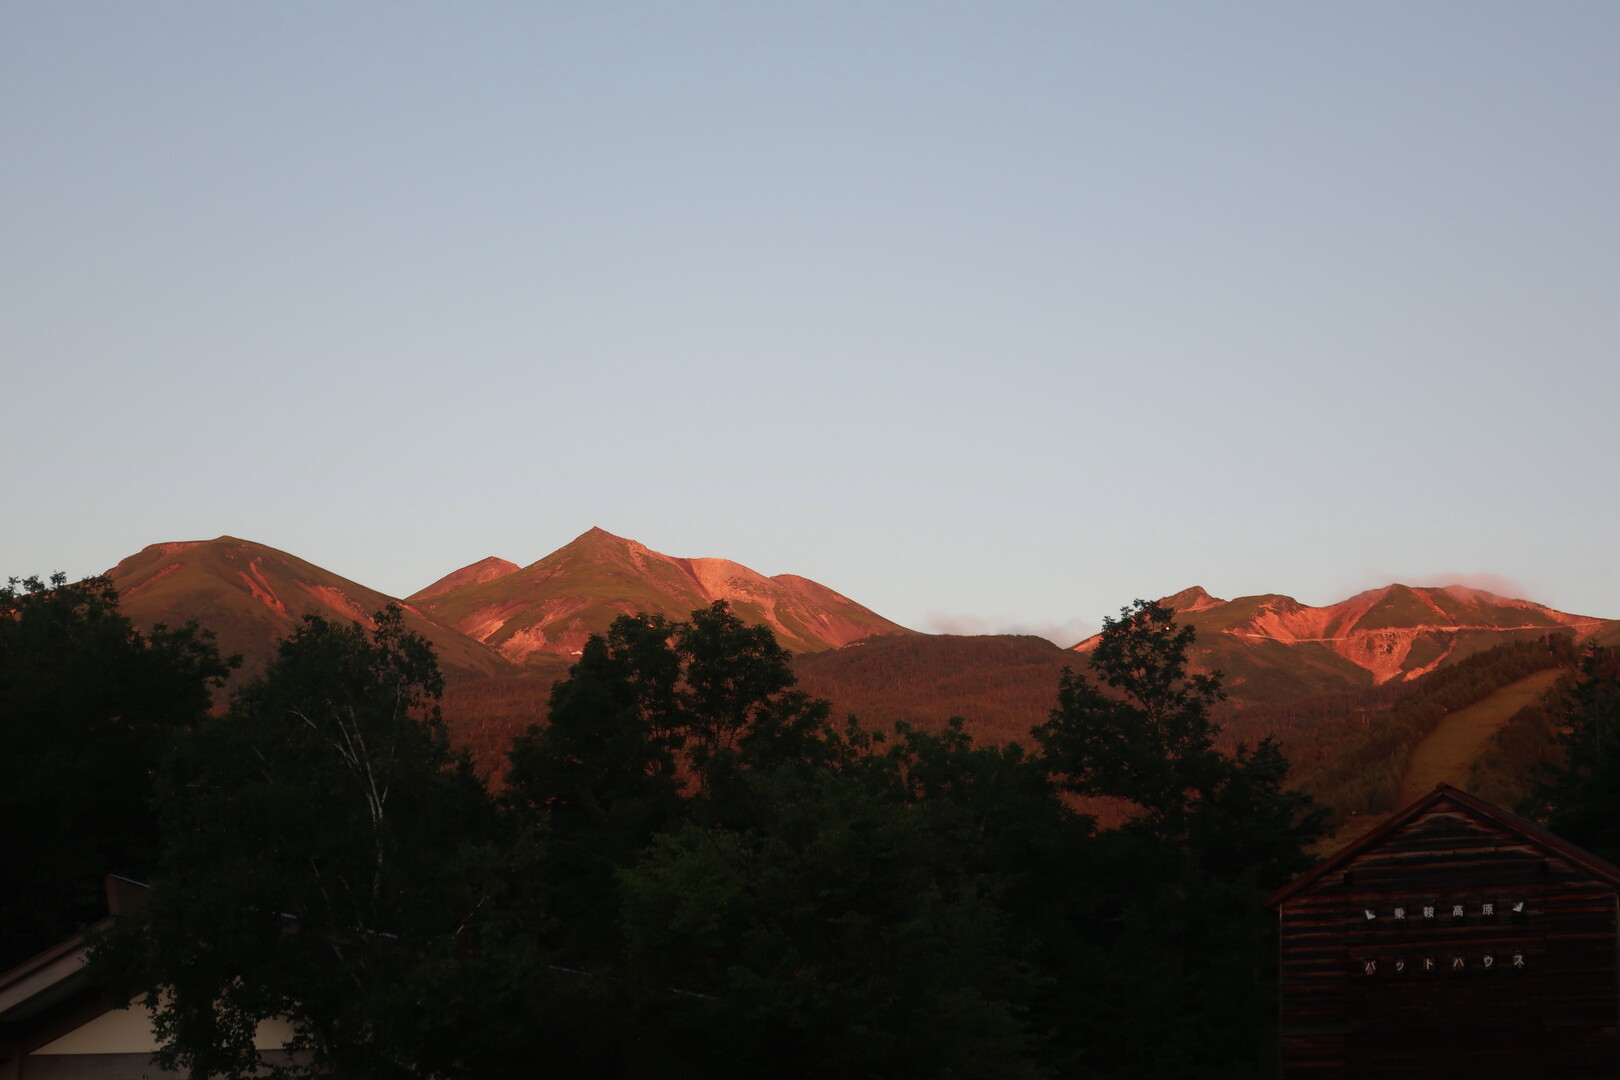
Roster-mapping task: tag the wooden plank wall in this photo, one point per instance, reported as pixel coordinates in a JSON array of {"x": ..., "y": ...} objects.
[{"x": 1511, "y": 972}]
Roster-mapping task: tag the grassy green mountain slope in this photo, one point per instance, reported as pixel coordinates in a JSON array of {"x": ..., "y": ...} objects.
[{"x": 1447, "y": 754}]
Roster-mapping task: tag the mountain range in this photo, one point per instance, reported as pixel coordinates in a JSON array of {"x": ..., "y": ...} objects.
[
  {"x": 1272, "y": 648},
  {"x": 553, "y": 605},
  {"x": 496, "y": 620},
  {"x": 491, "y": 618}
]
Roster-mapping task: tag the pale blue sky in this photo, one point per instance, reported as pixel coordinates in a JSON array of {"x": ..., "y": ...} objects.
[{"x": 990, "y": 316}]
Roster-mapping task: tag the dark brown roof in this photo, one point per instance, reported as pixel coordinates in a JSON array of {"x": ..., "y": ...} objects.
[{"x": 1479, "y": 808}]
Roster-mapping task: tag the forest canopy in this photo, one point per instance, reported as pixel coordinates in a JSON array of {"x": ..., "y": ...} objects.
[{"x": 695, "y": 869}]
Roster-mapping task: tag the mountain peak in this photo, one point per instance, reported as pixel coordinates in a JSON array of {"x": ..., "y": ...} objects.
[
  {"x": 1396, "y": 631},
  {"x": 484, "y": 570},
  {"x": 598, "y": 535},
  {"x": 251, "y": 595},
  {"x": 1195, "y": 598},
  {"x": 552, "y": 605},
  {"x": 597, "y": 542}
]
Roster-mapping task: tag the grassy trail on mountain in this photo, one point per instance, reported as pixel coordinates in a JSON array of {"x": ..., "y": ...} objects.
[{"x": 1446, "y": 753}]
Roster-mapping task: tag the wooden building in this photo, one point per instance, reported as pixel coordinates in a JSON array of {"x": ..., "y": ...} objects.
[{"x": 1455, "y": 940}]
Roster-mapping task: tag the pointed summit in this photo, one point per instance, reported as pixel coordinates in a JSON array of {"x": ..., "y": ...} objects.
[
  {"x": 486, "y": 569},
  {"x": 1193, "y": 599},
  {"x": 554, "y": 604},
  {"x": 598, "y": 548},
  {"x": 598, "y": 537}
]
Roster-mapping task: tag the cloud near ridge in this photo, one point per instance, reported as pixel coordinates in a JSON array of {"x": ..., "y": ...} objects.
[
  {"x": 1506, "y": 587},
  {"x": 1503, "y": 586},
  {"x": 1062, "y": 634}
]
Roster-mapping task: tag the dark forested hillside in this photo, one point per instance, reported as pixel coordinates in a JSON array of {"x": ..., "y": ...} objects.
[
  {"x": 1003, "y": 685},
  {"x": 1518, "y": 754},
  {"x": 1355, "y": 764},
  {"x": 485, "y": 716}
]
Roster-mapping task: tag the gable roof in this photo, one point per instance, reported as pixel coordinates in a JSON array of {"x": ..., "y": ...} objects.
[
  {"x": 1469, "y": 804},
  {"x": 58, "y": 973},
  {"x": 41, "y": 981}
]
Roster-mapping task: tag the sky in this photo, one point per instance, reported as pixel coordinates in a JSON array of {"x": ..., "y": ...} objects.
[{"x": 991, "y": 316}]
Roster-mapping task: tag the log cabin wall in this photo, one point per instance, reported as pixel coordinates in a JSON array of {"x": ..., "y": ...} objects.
[{"x": 1457, "y": 941}]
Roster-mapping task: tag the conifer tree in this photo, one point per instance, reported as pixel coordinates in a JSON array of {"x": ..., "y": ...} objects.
[{"x": 1580, "y": 798}]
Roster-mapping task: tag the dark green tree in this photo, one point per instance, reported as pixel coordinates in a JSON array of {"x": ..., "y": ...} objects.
[
  {"x": 654, "y": 708},
  {"x": 1580, "y": 797},
  {"x": 741, "y": 714},
  {"x": 736, "y": 687},
  {"x": 741, "y": 887},
  {"x": 657, "y": 727},
  {"x": 606, "y": 760},
  {"x": 597, "y": 782},
  {"x": 1140, "y": 731},
  {"x": 88, "y": 705},
  {"x": 1171, "y": 976},
  {"x": 1252, "y": 825},
  {"x": 319, "y": 866},
  {"x": 844, "y": 938}
]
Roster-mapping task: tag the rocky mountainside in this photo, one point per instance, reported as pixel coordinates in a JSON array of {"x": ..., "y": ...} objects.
[
  {"x": 1274, "y": 648},
  {"x": 503, "y": 632},
  {"x": 252, "y": 595},
  {"x": 490, "y": 619},
  {"x": 553, "y": 605},
  {"x": 1287, "y": 667}
]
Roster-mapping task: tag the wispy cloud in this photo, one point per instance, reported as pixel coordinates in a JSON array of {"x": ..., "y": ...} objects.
[
  {"x": 1064, "y": 633},
  {"x": 1491, "y": 583},
  {"x": 1500, "y": 584}
]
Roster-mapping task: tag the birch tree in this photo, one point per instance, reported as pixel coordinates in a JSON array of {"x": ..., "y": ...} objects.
[{"x": 315, "y": 865}]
